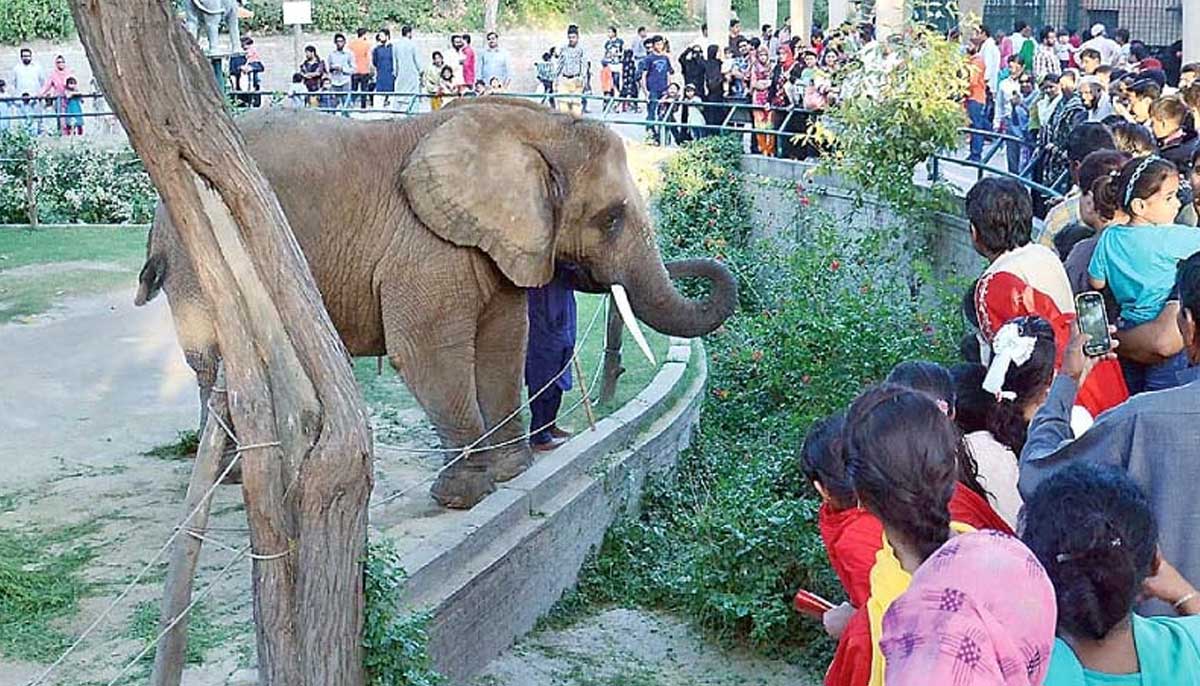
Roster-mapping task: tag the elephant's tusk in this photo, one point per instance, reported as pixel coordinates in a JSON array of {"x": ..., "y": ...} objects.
[{"x": 621, "y": 298}]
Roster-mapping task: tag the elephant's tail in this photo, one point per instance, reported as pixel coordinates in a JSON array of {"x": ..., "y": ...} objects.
[{"x": 150, "y": 280}]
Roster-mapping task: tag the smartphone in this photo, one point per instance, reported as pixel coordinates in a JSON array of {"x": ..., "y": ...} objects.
[{"x": 1093, "y": 320}]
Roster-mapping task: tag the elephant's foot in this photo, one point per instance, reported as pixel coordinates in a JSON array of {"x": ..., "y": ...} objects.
[
  {"x": 463, "y": 485},
  {"x": 509, "y": 462}
]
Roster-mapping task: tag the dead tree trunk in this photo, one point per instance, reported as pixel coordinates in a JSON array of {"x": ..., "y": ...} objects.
[
  {"x": 491, "y": 8},
  {"x": 612, "y": 354},
  {"x": 295, "y": 408}
]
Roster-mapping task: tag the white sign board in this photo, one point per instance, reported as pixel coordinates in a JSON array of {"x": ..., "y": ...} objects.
[{"x": 297, "y": 13}]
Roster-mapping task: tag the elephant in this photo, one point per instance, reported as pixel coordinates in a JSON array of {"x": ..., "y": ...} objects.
[
  {"x": 422, "y": 235},
  {"x": 213, "y": 11}
]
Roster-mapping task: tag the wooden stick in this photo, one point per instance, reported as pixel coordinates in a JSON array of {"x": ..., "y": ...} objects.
[
  {"x": 181, "y": 570},
  {"x": 587, "y": 400},
  {"x": 612, "y": 354}
]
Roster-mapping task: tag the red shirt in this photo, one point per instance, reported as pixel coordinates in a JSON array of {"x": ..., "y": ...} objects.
[
  {"x": 851, "y": 664},
  {"x": 852, "y": 537},
  {"x": 968, "y": 507}
]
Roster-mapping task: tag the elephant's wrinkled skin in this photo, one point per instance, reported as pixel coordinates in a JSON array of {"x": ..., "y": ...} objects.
[{"x": 422, "y": 235}]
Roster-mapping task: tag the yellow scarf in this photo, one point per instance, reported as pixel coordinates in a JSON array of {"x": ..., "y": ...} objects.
[{"x": 888, "y": 582}]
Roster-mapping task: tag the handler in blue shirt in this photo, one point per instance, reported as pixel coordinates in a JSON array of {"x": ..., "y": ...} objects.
[{"x": 549, "y": 352}]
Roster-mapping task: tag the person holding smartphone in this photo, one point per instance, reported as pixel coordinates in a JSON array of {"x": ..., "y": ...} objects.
[{"x": 1153, "y": 436}]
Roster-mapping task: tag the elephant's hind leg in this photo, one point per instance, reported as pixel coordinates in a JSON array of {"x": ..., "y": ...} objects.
[
  {"x": 499, "y": 370},
  {"x": 435, "y": 355}
]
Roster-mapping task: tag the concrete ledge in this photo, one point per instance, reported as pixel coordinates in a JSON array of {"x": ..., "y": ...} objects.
[{"x": 488, "y": 579}]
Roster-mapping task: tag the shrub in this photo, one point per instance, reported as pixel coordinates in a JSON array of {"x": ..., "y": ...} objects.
[
  {"x": 895, "y": 112},
  {"x": 76, "y": 183},
  {"x": 24, "y": 20},
  {"x": 733, "y": 536},
  {"x": 395, "y": 644}
]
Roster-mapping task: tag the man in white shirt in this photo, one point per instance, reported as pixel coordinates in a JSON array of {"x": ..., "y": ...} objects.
[
  {"x": 1108, "y": 48},
  {"x": 28, "y": 76},
  {"x": 991, "y": 59}
]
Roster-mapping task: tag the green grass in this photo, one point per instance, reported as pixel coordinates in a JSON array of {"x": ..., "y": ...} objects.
[
  {"x": 390, "y": 400},
  {"x": 40, "y": 584},
  {"x": 203, "y": 632},
  {"x": 113, "y": 258},
  {"x": 185, "y": 446}
]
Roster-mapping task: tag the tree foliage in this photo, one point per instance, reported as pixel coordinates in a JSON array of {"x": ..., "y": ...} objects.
[{"x": 902, "y": 101}]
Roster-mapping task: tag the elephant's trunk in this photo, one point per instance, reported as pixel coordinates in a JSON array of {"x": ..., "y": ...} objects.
[{"x": 658, "y": 303}]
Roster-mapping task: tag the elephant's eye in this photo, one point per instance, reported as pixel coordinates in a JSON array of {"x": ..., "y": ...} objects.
[{"x": 612, "y": 220}]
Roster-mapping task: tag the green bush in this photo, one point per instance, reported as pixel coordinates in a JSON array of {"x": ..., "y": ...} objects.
[
  {"x": 894, "y": 116},
  {"x": 395, "y": 644},
  {"x": 76, "y": 183},
  {"x": 733, "y": 536},
  {"x": 24, "y": 20}
]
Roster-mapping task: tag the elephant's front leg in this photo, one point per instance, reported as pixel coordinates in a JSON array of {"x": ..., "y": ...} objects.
[
  {"x": 499, "y": 371},
  {"x": 433, "y": 348},
  {"x": 212, "y": 22}
]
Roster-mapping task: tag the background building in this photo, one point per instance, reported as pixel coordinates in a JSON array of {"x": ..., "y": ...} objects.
[{"x": 1156, "y": 22}]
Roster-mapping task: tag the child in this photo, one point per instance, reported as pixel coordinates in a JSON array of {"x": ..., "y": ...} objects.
[
  {"x": 495, "y": 86},
  {"x": 447, "y": 88},
  {"x": 969, "y": 501},
  {"x": 852, "y": 538},
  {"x": 669, "y": 111},
  {"x": 480, "y": 88},
  {"x": 629, "y": 84},
  {"x": 327, "y": 100},
  {"x": 995, "y": 421},
  {"x": 1137, "y": 261},
  {"x": 900, "y": 453},
  {"x": 297, "y": 93},
  {"x": 73, "y": 122},
  {"x": 693, "y": 112},
  {"x": 1170, "y": 122}
]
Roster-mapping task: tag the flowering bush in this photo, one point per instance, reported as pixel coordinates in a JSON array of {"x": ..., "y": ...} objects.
[
  {"x": 826, "y": 309},
  {"x": 76, "y": 183},
  {"x": 901, "y": 102}
]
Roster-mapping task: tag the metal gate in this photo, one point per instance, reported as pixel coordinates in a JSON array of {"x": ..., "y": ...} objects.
[{"x": 1002, "y": 15}]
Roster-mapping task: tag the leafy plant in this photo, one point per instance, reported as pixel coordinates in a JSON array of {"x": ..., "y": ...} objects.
[
  {"x": 75, "y": 183},
  {"x": 900, "y": 102},
  {"x": 23, "y": 20},
  {"x": 395, "y": 643},
  {"x": 185, "y": 446},
  {"x": 826, "y": 309}
]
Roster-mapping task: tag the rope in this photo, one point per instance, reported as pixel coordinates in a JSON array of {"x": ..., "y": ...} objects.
[
  {"x": 178, "y": 529},
  {"x": 471, "y": 449},
  {"x": 199, "y": 536},
  {"x": 171, "y": 625}
]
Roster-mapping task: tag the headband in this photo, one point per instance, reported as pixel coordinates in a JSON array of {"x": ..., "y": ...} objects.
[
  {"x": 1137, "y": 173},
  {"x": 1009, "y": 347}
]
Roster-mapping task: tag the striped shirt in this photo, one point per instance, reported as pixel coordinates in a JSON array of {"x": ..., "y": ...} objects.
[{"x": 570, "y": 64}]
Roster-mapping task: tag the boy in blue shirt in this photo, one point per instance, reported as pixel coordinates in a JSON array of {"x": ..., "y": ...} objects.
[{"x": 1137, "y": 262}]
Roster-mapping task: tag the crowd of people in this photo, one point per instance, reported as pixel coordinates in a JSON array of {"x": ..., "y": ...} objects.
[
  {"x": 1039, "y": 87},
  {"x": 1023, "y": 517},
  {"x": 43, "y": 100}
]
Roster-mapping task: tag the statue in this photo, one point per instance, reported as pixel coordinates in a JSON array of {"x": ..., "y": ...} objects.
[{"x": 213, "y": 11}]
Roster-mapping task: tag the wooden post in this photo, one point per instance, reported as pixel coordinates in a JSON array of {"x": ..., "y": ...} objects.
[
  {"x": 181, "y": 570},
  {"x": 612, "y": 353},
  {"x": 31, "y": 208},
  {"x": 583, "y": 389},
  {"x": 292, "y": 393}
]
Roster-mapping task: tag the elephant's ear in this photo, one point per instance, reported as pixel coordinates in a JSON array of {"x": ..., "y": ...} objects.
[{"x": 475, "y": 186}]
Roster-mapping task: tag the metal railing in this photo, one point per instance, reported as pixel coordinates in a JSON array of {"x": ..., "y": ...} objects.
[{"x": 787, "y": 130}]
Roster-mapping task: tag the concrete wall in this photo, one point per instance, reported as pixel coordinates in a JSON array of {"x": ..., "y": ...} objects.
[
  {"x": 949, "y": 245},
  {"x": 489, "y": 580}
]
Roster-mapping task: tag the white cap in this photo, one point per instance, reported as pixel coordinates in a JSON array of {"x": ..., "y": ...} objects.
[{"x": 1097, "y": 30}]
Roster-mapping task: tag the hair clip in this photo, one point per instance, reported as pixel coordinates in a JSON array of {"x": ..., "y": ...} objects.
[{"x": 1067, "y": 557}]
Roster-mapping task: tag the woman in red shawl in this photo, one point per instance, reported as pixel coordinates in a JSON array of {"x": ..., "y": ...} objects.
[{"x": 1024, "y": 278}]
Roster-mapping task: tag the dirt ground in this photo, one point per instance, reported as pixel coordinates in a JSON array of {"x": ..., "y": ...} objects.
[{"x": 623, "y": 647}]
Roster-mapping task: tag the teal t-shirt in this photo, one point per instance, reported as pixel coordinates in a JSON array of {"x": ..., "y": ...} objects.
[
  {"x": 1168, "y": 650},
  {"x": 1139, "y": 262}
]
